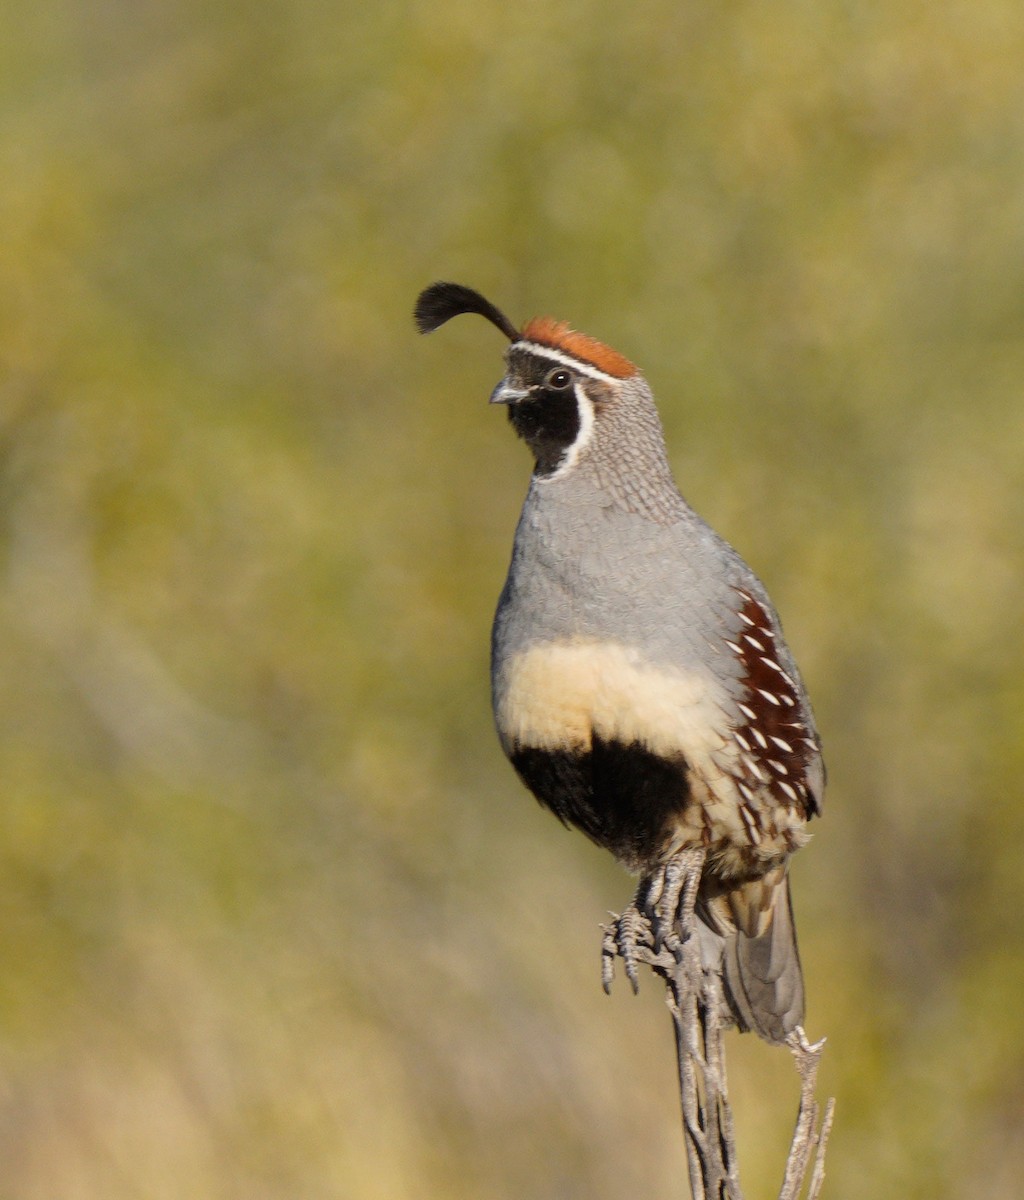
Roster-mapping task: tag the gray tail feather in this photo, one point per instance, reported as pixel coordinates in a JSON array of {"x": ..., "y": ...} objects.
[{"x": 761, "y": 972}]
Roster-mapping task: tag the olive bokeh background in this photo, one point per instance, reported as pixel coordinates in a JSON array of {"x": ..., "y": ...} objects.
[{"x": 276, "y": 919}]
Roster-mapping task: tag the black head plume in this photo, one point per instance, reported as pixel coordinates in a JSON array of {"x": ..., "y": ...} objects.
[{"x": 442, "y": 301}]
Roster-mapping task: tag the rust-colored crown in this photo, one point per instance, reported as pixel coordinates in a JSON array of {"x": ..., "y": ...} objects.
[{"x": 559, "y": 335}]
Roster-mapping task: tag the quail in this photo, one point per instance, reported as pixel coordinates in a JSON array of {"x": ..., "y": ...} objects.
[{"x": 641, "y": 685}]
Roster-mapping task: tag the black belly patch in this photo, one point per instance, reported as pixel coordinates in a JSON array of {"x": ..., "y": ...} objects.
[{"x": 621, "y": 795}]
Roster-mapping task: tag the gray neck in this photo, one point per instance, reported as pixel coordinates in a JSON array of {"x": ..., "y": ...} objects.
[{"x": 620, "y": 454}]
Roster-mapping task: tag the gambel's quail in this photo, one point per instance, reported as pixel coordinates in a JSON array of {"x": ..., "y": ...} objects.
[{"x": 642, "y": 687}]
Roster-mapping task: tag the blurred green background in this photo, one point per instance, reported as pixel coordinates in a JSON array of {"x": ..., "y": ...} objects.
[{"x": 276, "y": 919}]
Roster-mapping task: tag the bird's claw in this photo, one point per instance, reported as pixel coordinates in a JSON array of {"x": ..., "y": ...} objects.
[
  {"x": 648, "y": 930},
  {"x": 630, "y": 937}
]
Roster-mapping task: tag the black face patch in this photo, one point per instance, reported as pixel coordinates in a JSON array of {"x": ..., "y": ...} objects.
[
  {"x": 622, "y": 796},
  {"x": 548, "y": 421}
]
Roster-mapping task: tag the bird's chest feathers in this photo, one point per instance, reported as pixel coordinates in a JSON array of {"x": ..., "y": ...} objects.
[
  {"x": 595, "y": 555},
  {"x": 637, "y": 756},
  {"x": 564, "y": 694}
]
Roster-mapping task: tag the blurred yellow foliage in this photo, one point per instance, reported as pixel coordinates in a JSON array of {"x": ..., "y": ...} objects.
[{"x": 277, "y": 920}]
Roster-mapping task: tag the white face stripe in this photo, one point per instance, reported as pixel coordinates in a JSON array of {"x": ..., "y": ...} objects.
[
  {"x": 566, "y": 360},
  {"x": 586, "y": 413}
]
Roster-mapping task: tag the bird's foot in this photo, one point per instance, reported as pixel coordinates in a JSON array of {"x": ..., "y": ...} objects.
[
  {"x": 629, "y": 936},
  {"x": 655, "y": 925},
  {"x": 645, "y": 931}
]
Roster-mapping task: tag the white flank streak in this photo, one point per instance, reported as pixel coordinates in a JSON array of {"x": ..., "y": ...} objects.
[
  {"x": 786, "y": 788},
  {"x": 748, "y": 820},
  {"x": 754, "y": 769},
  {"x": 768, "y": 662}
]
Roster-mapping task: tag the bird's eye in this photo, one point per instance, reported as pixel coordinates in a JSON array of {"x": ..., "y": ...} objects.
[{"x": 559, "y": 380}]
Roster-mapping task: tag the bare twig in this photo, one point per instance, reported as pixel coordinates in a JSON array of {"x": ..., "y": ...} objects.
[
  {"x": 812, "y": 1128},
  {"x": 693, "y": 1001},
  {"x": 659, "y": 929}
]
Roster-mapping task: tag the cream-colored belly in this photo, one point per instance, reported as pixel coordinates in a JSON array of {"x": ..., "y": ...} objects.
[{"x": 561, "y": 695}]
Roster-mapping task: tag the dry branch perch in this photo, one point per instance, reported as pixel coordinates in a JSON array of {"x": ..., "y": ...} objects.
[{"x": 668, "y": 944}]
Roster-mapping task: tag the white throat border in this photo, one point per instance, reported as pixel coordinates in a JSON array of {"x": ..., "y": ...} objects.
[{"x": 569, "y": 459}]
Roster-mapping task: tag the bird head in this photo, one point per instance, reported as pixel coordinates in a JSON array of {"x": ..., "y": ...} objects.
[{"x": 558, "y": 382}]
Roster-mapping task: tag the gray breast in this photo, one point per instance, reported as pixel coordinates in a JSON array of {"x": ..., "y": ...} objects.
[{"x": 586, "y": 569}]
